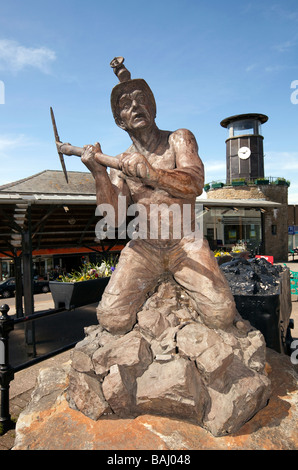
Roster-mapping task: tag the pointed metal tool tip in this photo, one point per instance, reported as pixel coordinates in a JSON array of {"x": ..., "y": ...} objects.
[{"x": 57, "y": 139}]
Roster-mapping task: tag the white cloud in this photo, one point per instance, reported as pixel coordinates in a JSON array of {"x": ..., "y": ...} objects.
[
  {"x": 284, "y": 13},
  {"x": 285, "y": 46},
  {"x": 274, "y": 68},
  {"x": 283, "y": 161},
  {"x": 12, "y": 142},
  {"x": 215, "y": 171},
  {"x": 285, "y": 165},
  {"x": 292, "y": 197},
  {"x": 251, "y": 67},
  {"x": 216, "y": 166},
  {"x": 15, "y": 57},
  {"x": 23, "y": 155},
  {"x": 7, "y": 142}
]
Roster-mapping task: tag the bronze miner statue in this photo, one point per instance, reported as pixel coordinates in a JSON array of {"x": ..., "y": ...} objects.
[
  {"x": 159, "y": 168},
  {"x": 169, "y": 341}
]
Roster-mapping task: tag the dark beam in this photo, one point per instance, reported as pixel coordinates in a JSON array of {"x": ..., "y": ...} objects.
[{"x": 27, "y": 267}]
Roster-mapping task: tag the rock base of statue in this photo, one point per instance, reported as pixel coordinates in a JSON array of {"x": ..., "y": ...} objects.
[
  {"x": 170, "y": 364},
  {"x": 48, "y": 423}
]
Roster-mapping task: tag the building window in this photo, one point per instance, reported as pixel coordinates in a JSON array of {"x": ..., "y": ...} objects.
[
  {"x": 232, "y": 233},
  {"x": 274, "y": 229},
  {"x": 244, "y": 127}
]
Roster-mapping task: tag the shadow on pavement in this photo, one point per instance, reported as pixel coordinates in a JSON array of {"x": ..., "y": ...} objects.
[{"x": 51, "y": 333}]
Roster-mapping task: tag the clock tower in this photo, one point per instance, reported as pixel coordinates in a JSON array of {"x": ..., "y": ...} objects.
[{"x": 244, "y": 146}]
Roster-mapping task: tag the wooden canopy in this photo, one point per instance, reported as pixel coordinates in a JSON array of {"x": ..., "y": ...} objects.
[
  {"x": 57, "y": 215},
  {"x": 43, "y": 212}
]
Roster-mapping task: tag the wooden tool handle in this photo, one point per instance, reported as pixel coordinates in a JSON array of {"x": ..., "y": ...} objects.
[
  {"x": 108, "y": 161},
  {"x": 105, "y": 160}
]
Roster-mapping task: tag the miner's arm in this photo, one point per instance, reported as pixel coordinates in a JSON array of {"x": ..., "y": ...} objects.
[
  {"x": 187, "y": 179},
  {"x": 108, "y": 187}
]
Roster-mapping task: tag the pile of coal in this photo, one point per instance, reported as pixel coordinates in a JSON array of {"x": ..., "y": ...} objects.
[{"x": 252, "y": 277}]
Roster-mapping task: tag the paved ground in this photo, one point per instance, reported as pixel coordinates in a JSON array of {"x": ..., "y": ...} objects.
[
  {"x": 20, "y": 393},
  {"x": 24, "y": 381},
  {"x": 51, "y": 334}
]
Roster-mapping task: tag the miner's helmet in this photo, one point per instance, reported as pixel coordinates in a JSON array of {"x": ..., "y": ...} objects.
[{"x": 127, "y": 85}]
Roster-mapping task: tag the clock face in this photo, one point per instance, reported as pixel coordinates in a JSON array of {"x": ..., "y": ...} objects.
[{"x": 244, "y": 153}]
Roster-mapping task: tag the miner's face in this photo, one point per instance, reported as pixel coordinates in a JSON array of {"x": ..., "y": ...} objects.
[{"x": 134, "y": 111}]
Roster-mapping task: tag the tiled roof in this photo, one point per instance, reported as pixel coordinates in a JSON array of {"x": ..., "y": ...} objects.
[{"x": 53, "y": 182}]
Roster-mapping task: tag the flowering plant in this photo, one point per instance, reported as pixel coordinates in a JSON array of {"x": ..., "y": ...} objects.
[
  {"x": 239, "y": 247},
  {"x": 218, "y": 253},
  {"x": 89, "y": 271}
]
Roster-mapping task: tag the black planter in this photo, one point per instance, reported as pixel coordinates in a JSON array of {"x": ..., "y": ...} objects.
[{"x": 70, "y": 295}]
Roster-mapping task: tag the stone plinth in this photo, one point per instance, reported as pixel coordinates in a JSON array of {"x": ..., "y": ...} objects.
[
  {"x": 172, "y": 365},
  {"x": 48, "y": 423}
]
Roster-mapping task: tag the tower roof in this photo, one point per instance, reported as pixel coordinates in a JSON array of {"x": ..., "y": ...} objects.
[{"x": 239, "y": 117}]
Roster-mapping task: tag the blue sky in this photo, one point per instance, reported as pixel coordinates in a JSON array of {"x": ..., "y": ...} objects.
[{"x": 204, "y": 60}]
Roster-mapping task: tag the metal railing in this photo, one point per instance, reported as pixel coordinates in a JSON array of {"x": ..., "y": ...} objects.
[
  {"x": 6, "y": 370},
  {"x": 248, "y": 181}
]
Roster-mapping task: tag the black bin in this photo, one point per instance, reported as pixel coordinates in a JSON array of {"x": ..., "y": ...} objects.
[
  {"x": 263, "y": 312},
  {"x": 262, "y": 295}
]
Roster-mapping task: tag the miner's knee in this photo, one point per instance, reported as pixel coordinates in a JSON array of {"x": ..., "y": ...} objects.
[
  {"x": 117, "y": 321},
  {"x": 219, "y": 316}
]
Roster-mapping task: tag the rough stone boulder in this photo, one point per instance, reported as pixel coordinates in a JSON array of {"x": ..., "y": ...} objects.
[
  {"x": 48, "y": 423},
  {"x": 170, "y": 364},
  {"x": 175, "y": 387}
]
